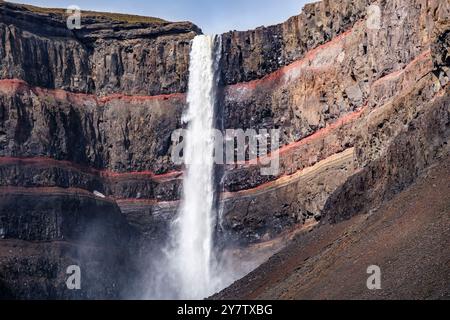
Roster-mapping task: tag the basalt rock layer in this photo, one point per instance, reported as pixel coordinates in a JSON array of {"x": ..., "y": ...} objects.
[
  {"x": 407, "y": 237},
  {"x": 358, "y": 89},
  {"x": 74, "y": 108},
  {"x": 370, "y": 89},
  {"x": 44, "y": 231}
]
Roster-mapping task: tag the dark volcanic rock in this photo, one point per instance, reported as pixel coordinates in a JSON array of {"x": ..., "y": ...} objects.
[
  {"x": 362, "y": 113},
  {"x": 406, "y": 237},
  {"x": 38, "y": 270},
  {"x": 57, "y": 216},
  {"x": 120, "y": 134},
  {"x": 425, "y": 137},
  {"x": 339, "y": 96}
]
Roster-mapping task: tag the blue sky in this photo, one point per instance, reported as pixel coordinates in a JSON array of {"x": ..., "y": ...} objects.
[{"x": 213, "y": 16}]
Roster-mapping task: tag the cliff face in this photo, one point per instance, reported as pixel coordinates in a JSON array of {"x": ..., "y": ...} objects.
[
  {"x": 83, "y": 111},
  {"x": 46, "y": 230},
  {"x": 253, "y": 54},
  {"x": 407, "y": 237},
  {"x": 363, "y": 110}
]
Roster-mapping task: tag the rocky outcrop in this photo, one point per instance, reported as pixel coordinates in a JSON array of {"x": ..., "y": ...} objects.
[
  {"x": 439, "y": 26},
  {"x": 341, "y": 95},
  {"x": 407, "y": 238},
  {"x": 422, "y": 141},
  {"x": 332, "y": 79},
  {"x": 252, "y": 54},
  {"x": 362, "y": 107},
  {"x": 71, "y": 215},
  {"x": 403, "y": 137},
  {"x": 294, "y": 200}
]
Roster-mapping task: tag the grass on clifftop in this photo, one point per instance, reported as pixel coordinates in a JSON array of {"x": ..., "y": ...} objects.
[{"x": 129, "y": 18}]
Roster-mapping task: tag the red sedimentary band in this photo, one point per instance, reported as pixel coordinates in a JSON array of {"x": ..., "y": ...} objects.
[
  {"x": 287, "y": 177},
  {"x": 173, "y": 174},
  {"x": 309, "y": 56},
  {"x": 149, "y": 202},
  {"x": 267, "y": 185},
  {"x": 421, "y": 57},
  {"x": 322, "y": 132},
  {"x": 101, "y": 173},
  {"x": 318, "y": 134},
  {"x": 17, "y": 85},
  {"x": 14, "y": 85}
]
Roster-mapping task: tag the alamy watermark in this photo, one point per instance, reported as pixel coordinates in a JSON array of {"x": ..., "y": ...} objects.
[{"x": 236, "y": 146}]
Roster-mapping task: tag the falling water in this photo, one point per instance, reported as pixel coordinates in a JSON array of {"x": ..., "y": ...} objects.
[{"x": 193, "y": 230}]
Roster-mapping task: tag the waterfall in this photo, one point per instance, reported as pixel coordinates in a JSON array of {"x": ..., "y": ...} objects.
[
  {"x": 190, "y": 267},
  {"x": 196, "y": 219},
  {"x": 193, "y": 256}
]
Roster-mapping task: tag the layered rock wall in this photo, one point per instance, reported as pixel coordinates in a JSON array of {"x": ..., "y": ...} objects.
[
  {"x": 44, "y": 231},
  {"x": 106, "y": 56}
]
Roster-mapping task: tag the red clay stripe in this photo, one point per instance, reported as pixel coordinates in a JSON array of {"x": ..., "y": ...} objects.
[
  {"x": 315, "y": 136},
  {"x": 12, "y": 85},
  {"x": 17, "y": 85},
  {"x": 423, "y": 56}
]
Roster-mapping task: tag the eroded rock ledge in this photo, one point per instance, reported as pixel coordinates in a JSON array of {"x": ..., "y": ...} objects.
[{"x": 105, "y": 56}]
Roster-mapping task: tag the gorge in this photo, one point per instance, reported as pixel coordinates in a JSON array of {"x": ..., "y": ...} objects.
[{"x": 364, "y": 118}]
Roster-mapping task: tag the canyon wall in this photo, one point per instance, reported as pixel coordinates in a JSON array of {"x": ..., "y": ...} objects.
[
  {"x": 105, "y": 56},
  {"x": 361, "y": 104}
]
